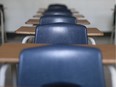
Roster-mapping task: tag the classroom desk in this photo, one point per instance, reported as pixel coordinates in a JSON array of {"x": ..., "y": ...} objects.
[
  {"x": 31, "y": 30},
  {"x": 36, "y": 21},
  {"x": 9, "y": 54},
  {"x": 71, "y": 11},
  {"x": 41, "y": 10},
  {"x": 76, "y": 15}
]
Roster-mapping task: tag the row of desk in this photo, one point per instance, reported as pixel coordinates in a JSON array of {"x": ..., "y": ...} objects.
[
  {"x": 36, "y": 21},
  {"x": 92, "y": 31},
  {"x": 12, "y": 56},
  {"x": 9, "y": 57},
  {"x": 30, "y": 30},
  {"x": 9, "y": 53},
  {"x": 77, "y": 15}
]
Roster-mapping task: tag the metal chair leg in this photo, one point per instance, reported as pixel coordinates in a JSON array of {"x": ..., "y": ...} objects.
[
  {"x": 3, "y": 70},
  {"x": 113, "y": 75},
  {"x": 3, "y": 36},
  {"x": 14, "y": 75},
  {"x": 113, "y": 35}
]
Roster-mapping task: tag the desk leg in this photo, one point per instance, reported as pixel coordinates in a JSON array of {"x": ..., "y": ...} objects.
[
  {"x": 3, "y": 70},
  {"x": 113, "y": 75},
  {"x": 14, "y": 74},
  {"x": 25, "y": 39},
  {"x": 92, "y": 40}
]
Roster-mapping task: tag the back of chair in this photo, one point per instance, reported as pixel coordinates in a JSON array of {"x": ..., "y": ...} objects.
[
  {"x": 58, "y": 10},
  {"x": 57, "y": 19},
  {"x": 57, "y": 6},
  {"x": 61, "y": 33},
  {"x": 60, "y": 66},
  {"x": 58, "y": 13}
]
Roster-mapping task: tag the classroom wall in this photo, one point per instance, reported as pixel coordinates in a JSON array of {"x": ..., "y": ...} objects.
[{"x": 98, "y": 12}]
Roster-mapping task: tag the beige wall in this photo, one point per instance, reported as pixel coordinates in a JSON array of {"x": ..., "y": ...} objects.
[{"x": 98, "y": 12}]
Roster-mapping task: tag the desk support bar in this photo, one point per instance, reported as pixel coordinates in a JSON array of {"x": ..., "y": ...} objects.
[
  {"x": 14, "y": 74},
  {"x": 2, "y": 27},
  {"x": 113, "y": 75},
  {"x": 3, "y": 70}
]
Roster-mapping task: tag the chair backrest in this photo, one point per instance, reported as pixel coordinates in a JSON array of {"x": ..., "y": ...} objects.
[
  {"x": 60, "y": 66},
  {"x": 2, "y": 13},
  {"x": 57, "y": 6},
  {"x": 57, "y": 19},
  {"x": 58, "y": 12},
  {"x": 61, "y": 33}
]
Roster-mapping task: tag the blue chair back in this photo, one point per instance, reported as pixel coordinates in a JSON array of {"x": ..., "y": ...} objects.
[
  {"x": 60, "y": 66},
  {"x": 58, "y": 12},
  {"x": 57, "y": 19},
  {"x": 61, "y": 33},
  {"x": 57, "y": 6}
]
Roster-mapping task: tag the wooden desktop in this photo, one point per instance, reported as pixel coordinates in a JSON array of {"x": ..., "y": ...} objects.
[
  {"x": 31, "y": 30},
  {"x": 36, "y": 21}
]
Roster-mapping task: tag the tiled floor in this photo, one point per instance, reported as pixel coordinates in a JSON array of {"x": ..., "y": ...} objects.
[{"x": 99, "y": 40}]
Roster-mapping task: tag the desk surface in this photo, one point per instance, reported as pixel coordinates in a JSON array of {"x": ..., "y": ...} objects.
[
  {"x": 36, "y": 21},
  {"x": 9, "y": 53},
  {"x": 31, "y": 30},
  {"x": 77, "y": 15},
  {"x": 41, "y": 10}
]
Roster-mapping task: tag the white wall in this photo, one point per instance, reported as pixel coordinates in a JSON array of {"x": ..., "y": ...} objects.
[{"x": 98, "y": 12}]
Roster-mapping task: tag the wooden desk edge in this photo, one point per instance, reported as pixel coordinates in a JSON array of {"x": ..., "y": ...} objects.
[
  {"x": 15, "y": 60},
  {"x": 20, "y": 31},
  {"x": 36, "y": 21}
]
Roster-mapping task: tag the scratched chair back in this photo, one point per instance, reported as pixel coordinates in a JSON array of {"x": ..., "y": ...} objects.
[
  {"x": 57, "y": 19},
  {"x": 60, "y": 66},
  {"x": 61, "y": 33},
  {"x": 58, "y": 12},
  {"x": 57, "y": 6}
]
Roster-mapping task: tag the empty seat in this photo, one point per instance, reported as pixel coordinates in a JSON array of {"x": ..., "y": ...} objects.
[
  {"x": 57, "y": 19},
  {"x": 57, "y": 6},
  {"x": 61, "y": 66},
  {"x": 61, "y": 33},
  {"x": 58, "y": 12}
]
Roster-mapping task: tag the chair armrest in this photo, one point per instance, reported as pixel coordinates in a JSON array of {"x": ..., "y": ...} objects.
[
  {"x": 25, "y": 39},
  {"x": 92, "y": 40},
  {"x": 113, "y": 75}
]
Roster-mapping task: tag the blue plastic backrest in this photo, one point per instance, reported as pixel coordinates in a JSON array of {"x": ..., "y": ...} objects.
[
  {"x": 57, "y": 19},
  {"x": 58, "y": 12},
  {"x": 57, "y": 6},
  {"x": 60, "y": 66},
  {"x": 61, "y": 33}
]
